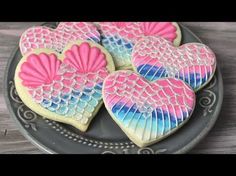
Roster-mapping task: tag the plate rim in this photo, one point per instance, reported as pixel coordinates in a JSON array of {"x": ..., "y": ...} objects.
[
  {"x": 212, "y": 122},
  {"x": 24, "y": 132},
  {"x": 47, "y": 150}
]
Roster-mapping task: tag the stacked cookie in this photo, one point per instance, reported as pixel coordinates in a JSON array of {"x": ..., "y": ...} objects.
[{"x": 145, "y": 79}]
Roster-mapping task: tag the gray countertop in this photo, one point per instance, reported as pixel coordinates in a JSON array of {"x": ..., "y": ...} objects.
[{"x": 219, "y": 36}]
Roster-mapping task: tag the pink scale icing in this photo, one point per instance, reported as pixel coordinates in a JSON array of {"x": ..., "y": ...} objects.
[
  {"x": 169, "y": 92},
  {"x": 44, "y": 37},
  {"x": 132, "y": 31},
  {"x": 196, "y": 57}
]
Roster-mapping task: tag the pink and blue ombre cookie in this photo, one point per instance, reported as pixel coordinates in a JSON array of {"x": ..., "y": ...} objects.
[
  {"x": 56, "y": 39},
  {"x": 64, "y": 87},
  {"x": 155, "y": 58},
  {"x": 147, "y": 111},
  {"x": 119, "y": 37}
]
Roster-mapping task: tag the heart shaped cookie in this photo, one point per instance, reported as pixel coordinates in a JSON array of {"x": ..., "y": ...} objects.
[
  {"x": 64, "y": 87},
  {"x": 156, "y": 57},
  {"x": 147, "y": 112},
  {"x": 57, "y": 39},
  {"x": 119, "y": 37}
]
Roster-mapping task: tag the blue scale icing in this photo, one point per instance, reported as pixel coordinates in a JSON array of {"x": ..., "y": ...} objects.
[
  {"x": 53, "y": 107},
  {"x": 63, "y": 102},
  {"x": 192, "y": 77},
  {"x": 76, "y": 102},
  {"x": 81, "y": 104},
  {"x": 75, "y": 93},
  {"x": 116, "y": 40},
  {"x": 119, "y": 42},
  {"x": 56, "y": 100},
  {"x": 94, "y": 39},
  {"x": 62, "y": 110},
  {"x": 129, "y": 45},
  {"x": 85, "y": 97},
  {"x": 93, "y": 102},
  {"x": 98, "y": 86},
  {"x": 132, "y": 116},
  {"x": 73, "y": 100},
  {"x": 151, "y": 73},
  {"x": 96, "y": 95},
  {"x": 72, "y": 106},
  {"x": 79, "y": 109},
  {"x": 46, "y": 103},
  {"x": 112, "y": 43},
  {"x": 88, "y": 90},
  {"x": 65, "y": 96}
]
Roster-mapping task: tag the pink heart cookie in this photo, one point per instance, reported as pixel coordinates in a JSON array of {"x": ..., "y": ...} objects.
[
  {"x": 156, "y": 57},
  {"x": 120, "y": 37},
  {"x": 56, "y": 39},
  {"x": 64, "y": 87},
  {"x": 147, "y": 112}
]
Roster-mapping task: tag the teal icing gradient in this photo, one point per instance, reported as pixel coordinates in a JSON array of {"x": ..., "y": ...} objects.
[
  {"x": 158, "y": 123},
  {"x": 75, "y": 102},
  {"x": 118, "y": 47}
]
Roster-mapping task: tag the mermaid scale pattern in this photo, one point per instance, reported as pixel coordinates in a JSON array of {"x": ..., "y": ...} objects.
[
  {"x": 119, "y": 37},
  {"x": 119, "y": 48},
  {"x": 148, "y": 110},
  {"x": 71, "y": 98},
  {"x": 56, "y": 39},
  {"x": 72, "y": 87},
  {"x": 155, "y": 57}
]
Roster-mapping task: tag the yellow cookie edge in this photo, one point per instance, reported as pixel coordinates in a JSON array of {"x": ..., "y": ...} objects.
[
  {"x": 27, "y": 99},
  {"x": 178, "y": 39}
]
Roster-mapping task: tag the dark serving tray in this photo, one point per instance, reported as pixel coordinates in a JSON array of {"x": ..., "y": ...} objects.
[{"x": 103, "y": 135}]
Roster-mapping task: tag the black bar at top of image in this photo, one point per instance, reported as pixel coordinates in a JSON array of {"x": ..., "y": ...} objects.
[{"x": 118, "y": 11}]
